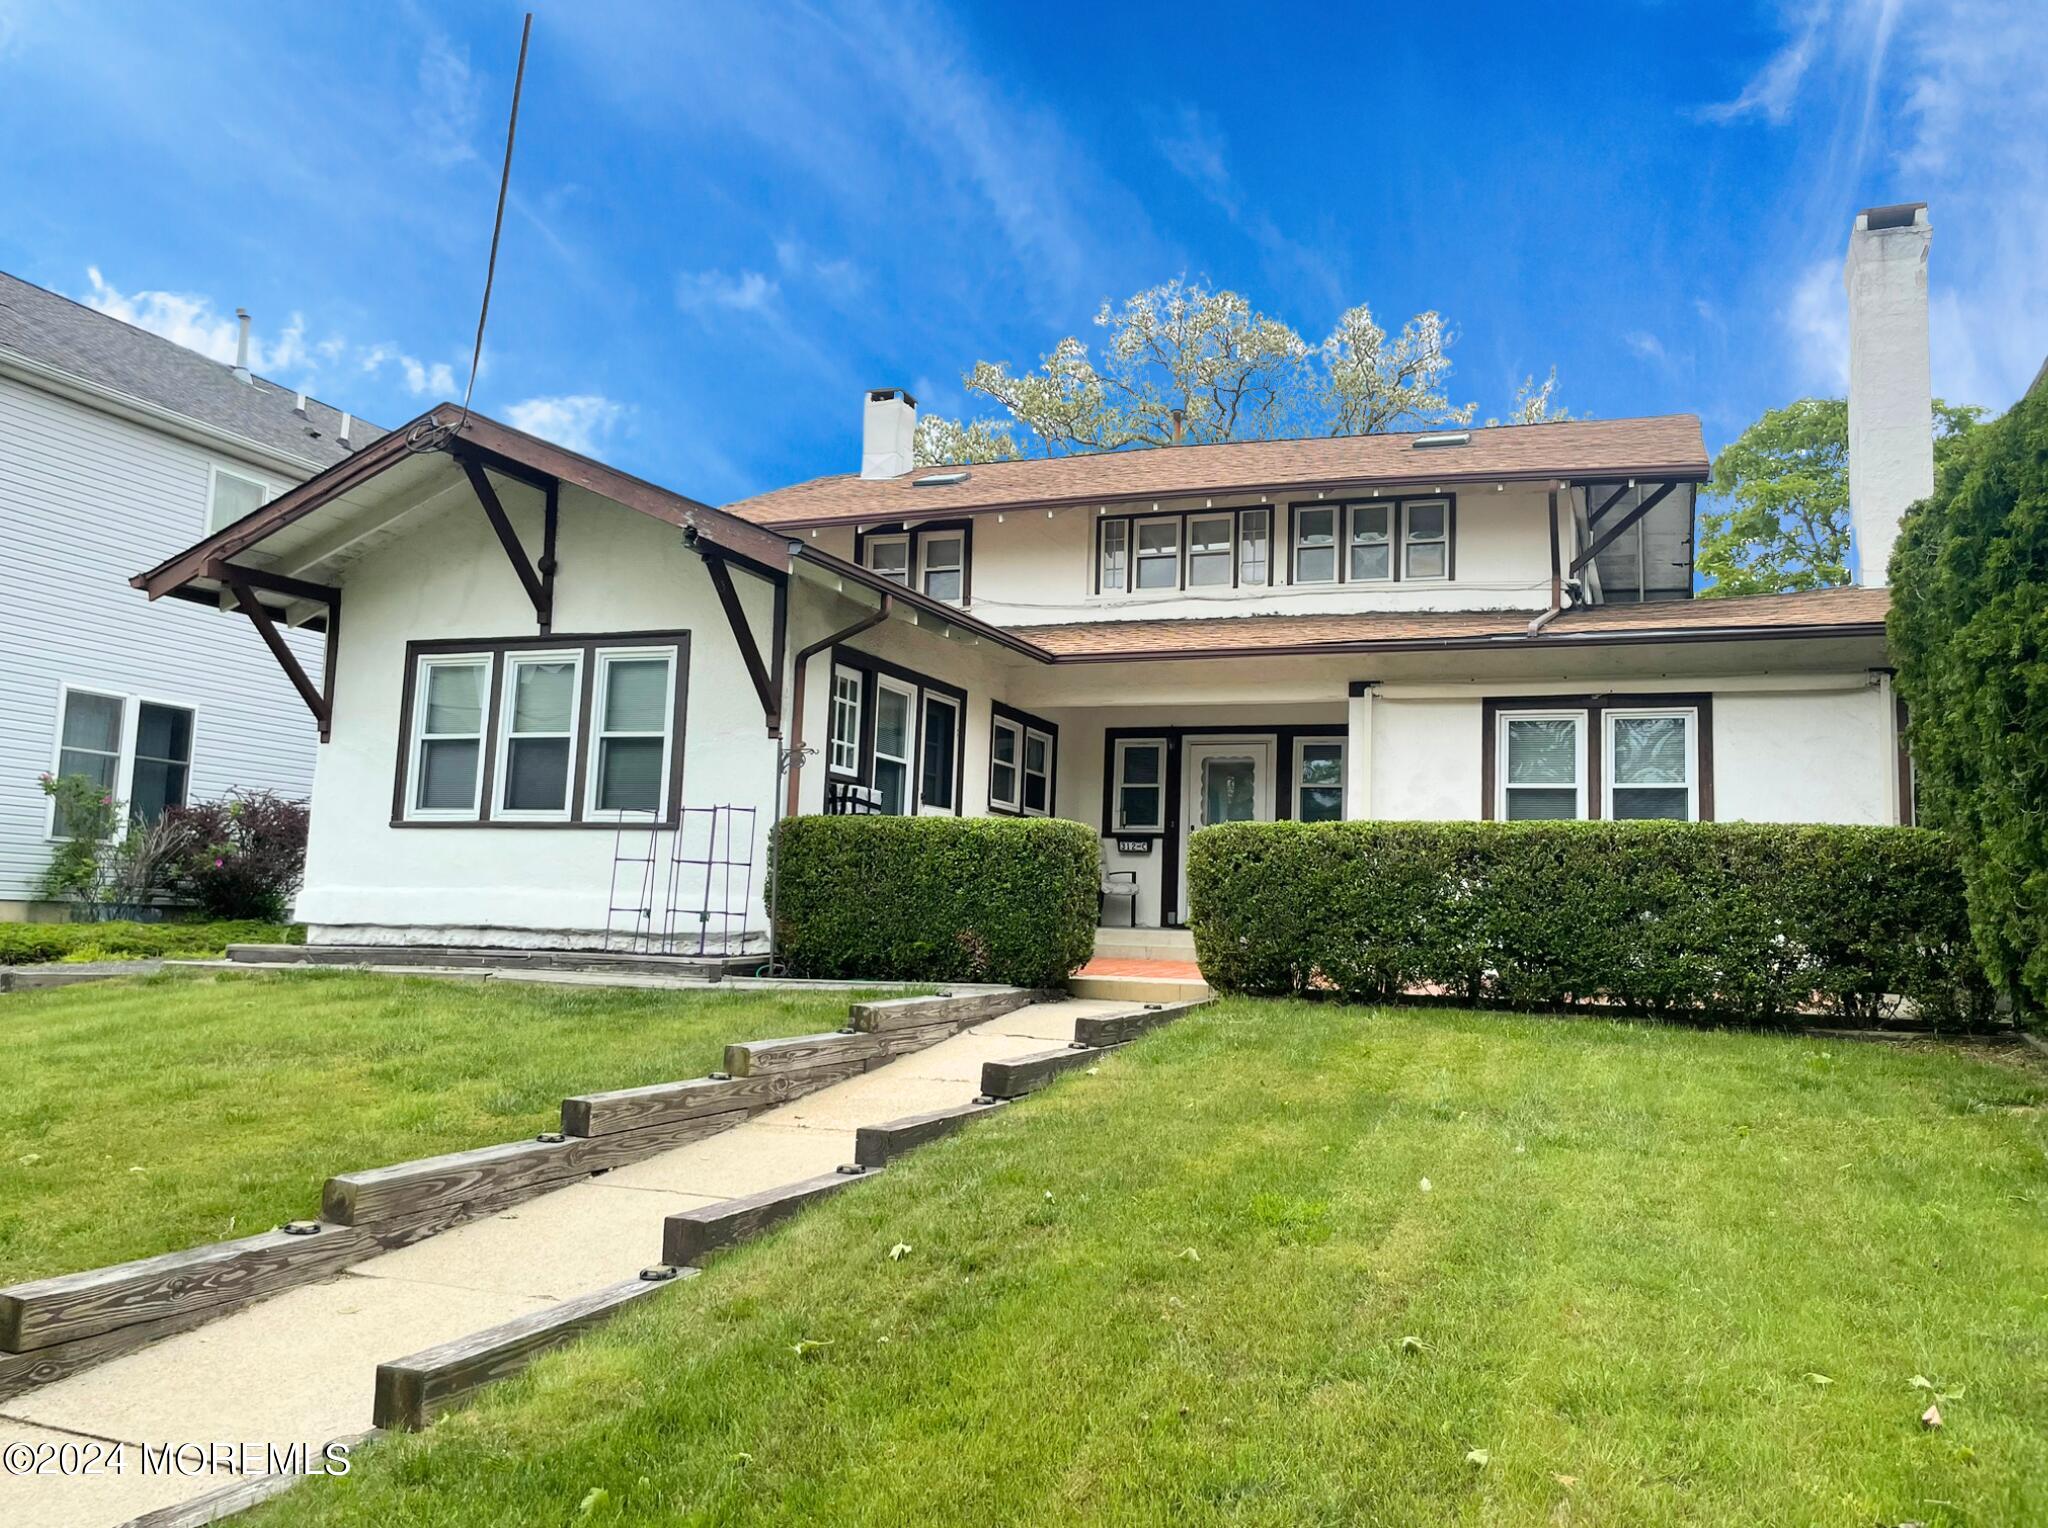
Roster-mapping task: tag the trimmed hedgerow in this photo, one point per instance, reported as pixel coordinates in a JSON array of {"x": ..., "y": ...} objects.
[
  {"x": 991, "y": 899},
  {"x": 25, "y": 944},
  {"x": 1969, "y": 626},
  {"x": 1751, "y": 921}
]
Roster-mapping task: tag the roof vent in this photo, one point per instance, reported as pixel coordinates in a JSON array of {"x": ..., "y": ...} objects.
[
  {"x": 939, "y": 480},
  {"x": 1437, "y": 442}
]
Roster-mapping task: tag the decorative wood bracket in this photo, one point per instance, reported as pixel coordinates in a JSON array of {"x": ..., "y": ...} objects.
[
  {"x": 1593, "y": 520},
  {"x": 1620, "y": 526},
  {"x": 767, "y": 683},
  {"x": 243, "y": 584},
  {"x": 539, "y": 591}
]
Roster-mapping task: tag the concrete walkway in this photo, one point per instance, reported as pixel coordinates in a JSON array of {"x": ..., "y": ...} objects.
[{"x": 300, "y": 1368}]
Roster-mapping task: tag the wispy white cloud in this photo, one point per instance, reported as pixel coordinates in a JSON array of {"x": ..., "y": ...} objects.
[
  {"x": 1644, "y": 344},
  {"x": 746, "y": 292},
  {"x": 445, "y": 109},
  {"x": 582, "y": 422},
  {"x": 422, "y": 378},
  {"x": 1816, "y": 323},
  {"x": 1772, "y": 90}
]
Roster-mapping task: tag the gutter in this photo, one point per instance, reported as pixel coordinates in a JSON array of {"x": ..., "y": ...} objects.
[{"x": 110, "y": 400}]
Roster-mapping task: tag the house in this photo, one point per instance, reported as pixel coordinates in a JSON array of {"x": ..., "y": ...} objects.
[
  {"x": 546, "y": 665},
  {"x": 116, "y": 447}
]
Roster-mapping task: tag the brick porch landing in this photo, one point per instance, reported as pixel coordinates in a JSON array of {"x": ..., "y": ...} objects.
[{"x": 1147, "y": 965}]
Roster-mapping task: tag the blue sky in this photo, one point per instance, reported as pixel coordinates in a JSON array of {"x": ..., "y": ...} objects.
[{"x": 729, "y": 220}]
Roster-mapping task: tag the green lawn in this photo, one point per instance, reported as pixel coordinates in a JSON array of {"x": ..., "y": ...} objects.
[
  {"x": 1651, "y": 1275},
  {"x": 142, "y": 1116}
]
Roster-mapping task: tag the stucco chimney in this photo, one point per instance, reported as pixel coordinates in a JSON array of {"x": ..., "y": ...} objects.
[
  {"x": 1891, "y": 412},
  {"x": 888, "y": 445},
  {"x": 242, "y": 346}
]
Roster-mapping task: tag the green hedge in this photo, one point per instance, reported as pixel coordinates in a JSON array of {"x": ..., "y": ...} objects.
[
  {"x": 994, "y": 899},
  {"x": 24, "y": 944},
  {"x": 1969, "y": 625},
  {"x": 1734, "y": 920}
]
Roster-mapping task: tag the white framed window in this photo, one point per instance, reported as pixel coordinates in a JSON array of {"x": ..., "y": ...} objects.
[
  {"x": 632, "y": 741},
  {"x": 1371, "y": 558},
  {"x": 1005, "y": 762},
  {"x": 895, "y": 744},
  {"x": 537, "y": 739},
  {"x": 938, "y": 753},
  {"x": 845, "y": 747},
  {"x": 1426, "y": 539},
  {"x": 1255, "y": 547},
  {"x": 1115, "y": 558},
  {"x": 943, "y": 574},
  {"x": 232, "y": 494},
  {"x": 1038, "y": 756},
  {"x": 1158, "y": 560},
  {"x": 137, "y": 751},
  {"x": 446, "y": 772},
  {"x": 1211, "y": 553},
  {"x": 1140, "y": 805},
  {"x": 1319, "y": 779},
  {"x": 1315, "y": 544},
  {"x": 889, "y": 556},
  {"x": 1650, "y": 766},
  {"x": 1541, "y": 766}
]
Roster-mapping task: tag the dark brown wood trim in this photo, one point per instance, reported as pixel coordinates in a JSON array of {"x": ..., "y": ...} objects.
[
  {"x": 1556, "y": 558},
  {"x": 1909, "y": 809},
  {"x": 551, "y": 517},
  {"x": 1620, "y": 527},
  {"x": 765, "y": 688},
  {"x": 1023, "y": 720},
  {"x": 1596, "y": 516},
  {"x": 330, "y": 659},
  {"x": 494, "y": 649},
  {"x": 1595, "y": 706},
  {"x": 313, "y": 696},
  {"x": 494, "y": 511}
]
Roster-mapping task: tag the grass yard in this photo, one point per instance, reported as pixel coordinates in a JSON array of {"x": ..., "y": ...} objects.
[
  {"x": 1289, "y": 1263},
  {"x": 36, "y": 943},
  {"x": 142, "y": 1116}
]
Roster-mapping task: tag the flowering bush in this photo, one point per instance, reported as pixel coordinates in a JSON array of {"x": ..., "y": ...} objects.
[
  {"x": 86, "y": 817},
  {"x": 245, "y": 854}
]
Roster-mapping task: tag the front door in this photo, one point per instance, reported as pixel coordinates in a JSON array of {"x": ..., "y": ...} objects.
[{"x": 1222, "y": 781}]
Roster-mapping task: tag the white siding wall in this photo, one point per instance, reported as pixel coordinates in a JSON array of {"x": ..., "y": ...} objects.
[
  {"x": 87, "y": 500},
  {"x": 620, "y": 572}
]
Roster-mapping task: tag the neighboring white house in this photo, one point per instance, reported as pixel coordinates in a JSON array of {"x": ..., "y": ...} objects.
[
  {"x": 544, "y": 662},
  {"x": 117, "y": 446}
]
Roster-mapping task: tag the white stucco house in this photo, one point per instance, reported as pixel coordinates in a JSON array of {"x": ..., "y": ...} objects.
[
  {"x": 540, "y": 663},
  {"x": 118, "y": 446}
]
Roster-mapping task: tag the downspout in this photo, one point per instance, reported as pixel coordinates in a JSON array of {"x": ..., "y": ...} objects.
[
  {"x": 796, "y": 697},
  {"x": 1556, "y": 575}
]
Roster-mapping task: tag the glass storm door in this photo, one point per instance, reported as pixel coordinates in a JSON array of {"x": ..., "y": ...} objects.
[{"x": 1223, "y": 782}]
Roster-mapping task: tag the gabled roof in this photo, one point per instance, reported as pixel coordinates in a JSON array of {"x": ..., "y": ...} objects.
[
  {"x": 49, "y": 330},
  {"x": 1668, "y": 446},
  {"x": 1820, "y": 613}
]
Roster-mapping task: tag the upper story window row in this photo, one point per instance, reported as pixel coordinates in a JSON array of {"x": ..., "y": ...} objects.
[
  {"x": 1363, "y": 541},
  {"x": 932, "y": 559}
]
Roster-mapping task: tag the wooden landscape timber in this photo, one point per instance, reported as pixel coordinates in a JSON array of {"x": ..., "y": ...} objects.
[
  {"x": 1027, "y": 1074},
  {"x": 874, "y": 1145},
  {"x": 1117, "y": 1028},
  {"x": 413, "y": 1390},
  {"x": 688, "y": 1236}
]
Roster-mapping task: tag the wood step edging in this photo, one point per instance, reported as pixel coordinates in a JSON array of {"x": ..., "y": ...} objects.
[
  {"x": 56, "y": 1326},
  {"x": 874, "y": 1145},
  {"x": 413, "y": 1390},
  {"x": 237, "y": 1496},
  {"x": 689, "y": 1236}
]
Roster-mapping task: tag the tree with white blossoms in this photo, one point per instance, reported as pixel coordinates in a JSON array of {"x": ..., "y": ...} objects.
[{"x": 1186, "y": 365}]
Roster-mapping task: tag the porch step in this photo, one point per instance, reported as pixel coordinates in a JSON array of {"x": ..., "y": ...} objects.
[
  {"x": 1123, "y": 978},
  {"x": 1172, "y": 944}
]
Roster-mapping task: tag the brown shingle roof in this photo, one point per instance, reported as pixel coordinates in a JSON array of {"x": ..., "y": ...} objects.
[
  {"x": 1667, "y": 446},
  {"x": 1823, "y": 612}
]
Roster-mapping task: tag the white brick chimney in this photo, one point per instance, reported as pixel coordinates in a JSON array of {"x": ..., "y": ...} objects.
[
  {"x": 1891, "y": 413},
  {"x": 888, "y": 445}
]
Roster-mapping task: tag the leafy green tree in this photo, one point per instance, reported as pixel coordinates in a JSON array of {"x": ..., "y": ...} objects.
[
  {"x": 1183, "y": 364},
  {"x": 1785, "y": 480},
  {"x": 1969, "y": 627}
]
